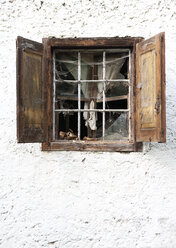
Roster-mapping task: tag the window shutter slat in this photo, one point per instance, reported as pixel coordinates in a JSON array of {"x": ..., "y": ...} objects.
[
  {"x": 150, "y": 90},
  {"x": 30, "y": 105}
]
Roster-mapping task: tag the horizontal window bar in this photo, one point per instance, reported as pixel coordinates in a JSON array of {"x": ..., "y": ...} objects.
[
  {"x": 87, "y": 99},
  {"x": 93, "y": 50},
  {"x": 91, "y": 110},
  {"x": 92, "y": 81}
]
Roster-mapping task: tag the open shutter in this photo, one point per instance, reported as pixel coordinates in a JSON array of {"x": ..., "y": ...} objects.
[
  {"x": 150, "y": 90},
  {"x": 30, "y": 107}
]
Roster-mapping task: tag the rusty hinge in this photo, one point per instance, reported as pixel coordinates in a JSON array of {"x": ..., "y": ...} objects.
[{"x": 157, "y": 105}]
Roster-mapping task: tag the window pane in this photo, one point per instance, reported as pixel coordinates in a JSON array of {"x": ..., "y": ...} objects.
[
  {"x": 116, "y": 95},
  {"x": 116, "y": 126},
  {"x": 66, "y": 65},
  {"x": 91, "y": 126},
  {"x": 66, "y": 89},
  {"x": 92, "y": 91},
  {"x": 116, "y": 65},
  {"x": 66, "y": 126},
  {"x": 67, "y": 95},
  {"x": 92, "y": 66}
]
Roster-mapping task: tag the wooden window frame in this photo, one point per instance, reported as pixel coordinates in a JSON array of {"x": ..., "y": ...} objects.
[{"x": 88, "y": 43}]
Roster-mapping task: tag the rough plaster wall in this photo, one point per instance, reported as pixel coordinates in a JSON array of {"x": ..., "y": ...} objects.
[{"x": 74, "y": 199}]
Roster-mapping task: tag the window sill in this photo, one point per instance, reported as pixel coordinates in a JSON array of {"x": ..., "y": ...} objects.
[{"x": 98, "y": 146}]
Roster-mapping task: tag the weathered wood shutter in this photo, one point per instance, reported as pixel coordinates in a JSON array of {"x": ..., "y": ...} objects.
[
  {"x": 150, "y": 90},
  {"x": 30, "y": 105}
]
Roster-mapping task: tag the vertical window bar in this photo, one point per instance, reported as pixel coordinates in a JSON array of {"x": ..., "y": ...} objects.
[
  {"x": 104, "y": 88},
  {"x": 54, "y": 94},
  {"x": 129, "y": 96},
  {"x": 79, "y": 95}
]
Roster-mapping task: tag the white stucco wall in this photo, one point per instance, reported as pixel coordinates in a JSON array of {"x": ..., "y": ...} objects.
[{"x": 84, "y": 199}]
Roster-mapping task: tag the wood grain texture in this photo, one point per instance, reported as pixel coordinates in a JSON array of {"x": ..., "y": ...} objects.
[
  {"x": 99, "y": 42},
  {"x": 138, "y": 145},
  {"x": 30, "y": 112},
  {"x": 150, "y": 90},
  {"x": 48, "y": 87},
  {"x": 89, "y": 146}
]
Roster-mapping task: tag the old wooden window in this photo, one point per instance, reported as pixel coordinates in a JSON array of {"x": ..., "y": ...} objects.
[{"x": 100, "y": 94}]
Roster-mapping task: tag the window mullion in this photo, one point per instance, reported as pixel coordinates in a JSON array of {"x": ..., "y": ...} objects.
[
  {"x": 104, "y": 88},
  {"x": 54, "y": 94},
  {"x": 79, "y": 95},
  {"x": 93, "y": 81}
]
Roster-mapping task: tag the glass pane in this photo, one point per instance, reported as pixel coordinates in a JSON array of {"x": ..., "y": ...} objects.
[
  {"x": 116, "y": 126},
  {"x": 91, "y": 126},
  {"x": 66, "y": 126},
  {"x": 116, "y": 95},
  {"x": 66, "y": 104},
  {"x": 66, "y": 65},
  {"x": 116, "y": 65},
  {"x": 91, "y": 95},
  {"x": 92, "y": 66},
  {"x": 66, "y": 95},
  {"x": 66, "y": 89}
]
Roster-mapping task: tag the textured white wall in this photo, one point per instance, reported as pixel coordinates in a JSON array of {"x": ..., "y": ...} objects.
[{"x": 84, "y": 199}]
